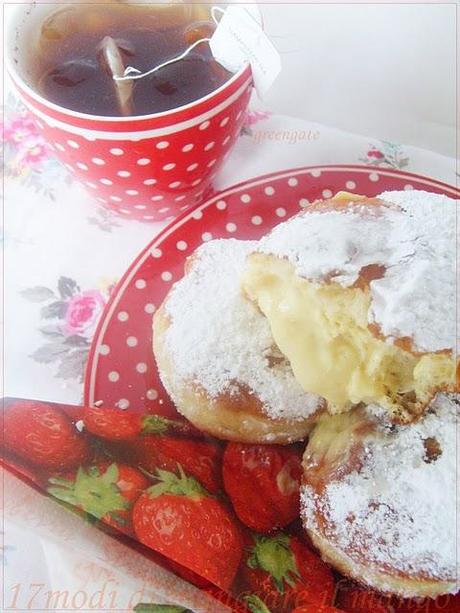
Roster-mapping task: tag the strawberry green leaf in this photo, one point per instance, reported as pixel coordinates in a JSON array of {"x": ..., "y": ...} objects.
[
  {"x": 63, "y": 494},
  {"x": 179, "y": 484},
  {"x": 97, "y": 494},
  {"x": 255, "y": 604},
  {"x": 155, "y": 424},
  {"x": 111, "y": 474},
  {"x": 273, "y": 555}
]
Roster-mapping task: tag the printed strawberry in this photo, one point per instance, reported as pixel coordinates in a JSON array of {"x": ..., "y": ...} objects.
[
  {"x": 284, "y": 573},
  {"x": 117, "y": 425},
  {"x": 179, "y": 519},
  {"x": 200, "y": 459},
  {"x": 262, "y": 482},
  {"x": 44, "y": 435},
  {"x": 105, "y": 491}
]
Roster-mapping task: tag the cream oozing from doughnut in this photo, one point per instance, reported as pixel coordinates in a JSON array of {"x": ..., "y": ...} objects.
[
  {"x": 219, "y": 341},
  {"x": 414, "y": 241},
  {"x": 360, "y": 296}
]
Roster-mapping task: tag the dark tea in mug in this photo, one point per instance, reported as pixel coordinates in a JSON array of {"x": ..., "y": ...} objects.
[{"x": 79, "y": 49}]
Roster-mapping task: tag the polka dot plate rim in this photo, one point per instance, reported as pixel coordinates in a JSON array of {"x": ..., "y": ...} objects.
[{"x": 121, "y": 370}]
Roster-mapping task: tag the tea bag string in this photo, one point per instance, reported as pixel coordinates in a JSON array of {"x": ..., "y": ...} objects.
[{"x": 132, "y": 73}]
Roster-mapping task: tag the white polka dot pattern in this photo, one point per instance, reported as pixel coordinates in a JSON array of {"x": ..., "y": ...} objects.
[
  {"x": 104, "y": 349},
  {"x": 150, "y": 155}
]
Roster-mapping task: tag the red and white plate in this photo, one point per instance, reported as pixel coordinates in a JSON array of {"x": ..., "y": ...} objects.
[{"x": 121, "y": 370}]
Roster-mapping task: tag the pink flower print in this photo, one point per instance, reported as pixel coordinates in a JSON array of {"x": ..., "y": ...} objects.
[
  {"x": 375, "y": 153},
  {"x": 69, "y": 319},
  {"x": 21, "y": 133},
  {"x": 19, "y": 128},
  {"x": 385, "y": 154},
  {"x": 33, "y": 151},
  {"x": 82, "y": 313}
]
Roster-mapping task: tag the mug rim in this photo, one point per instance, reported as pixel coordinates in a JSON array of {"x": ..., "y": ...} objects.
[{"x": 22, "y": 84}]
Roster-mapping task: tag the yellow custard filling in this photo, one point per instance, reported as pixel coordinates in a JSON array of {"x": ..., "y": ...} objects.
[{"x": 322, "y": 329}]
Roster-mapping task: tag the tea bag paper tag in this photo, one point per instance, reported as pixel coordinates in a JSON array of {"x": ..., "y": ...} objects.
[{"x": 239, "y": 40}]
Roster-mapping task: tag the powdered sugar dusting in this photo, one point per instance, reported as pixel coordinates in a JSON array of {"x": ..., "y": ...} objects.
[
  {"x": 400, "y": 508},
  {"x": 219, "y": 340},
  {"x": 416, "y": 243}
]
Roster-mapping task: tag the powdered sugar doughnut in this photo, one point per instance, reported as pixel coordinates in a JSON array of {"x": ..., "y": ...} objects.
[
  {"x": 380, "y": 501},
  {"x": 217, "y": 359},
  {"x": 361, "y": 298}
]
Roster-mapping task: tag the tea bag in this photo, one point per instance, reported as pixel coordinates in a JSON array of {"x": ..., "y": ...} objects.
[
  {"x": 200, "y": 31},
  {"x": 111, "y": 54},
  {"x": 238, "y": 40}
]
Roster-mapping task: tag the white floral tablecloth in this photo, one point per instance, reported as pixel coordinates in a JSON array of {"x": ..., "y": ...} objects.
[{"x": 62, "y": 256}]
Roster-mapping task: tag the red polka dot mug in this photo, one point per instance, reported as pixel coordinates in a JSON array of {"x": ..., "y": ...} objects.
[{"x": 147, "y": 167}]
